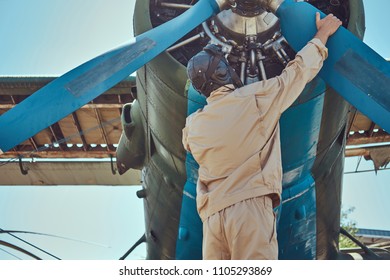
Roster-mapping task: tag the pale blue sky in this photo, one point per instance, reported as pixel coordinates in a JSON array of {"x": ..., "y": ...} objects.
[
  {"x": 53, "y": 36},
  {"x": 50, "y": 37}
]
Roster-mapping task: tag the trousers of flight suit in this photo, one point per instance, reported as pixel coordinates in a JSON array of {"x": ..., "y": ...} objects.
[{"x": 243, "y": 231}]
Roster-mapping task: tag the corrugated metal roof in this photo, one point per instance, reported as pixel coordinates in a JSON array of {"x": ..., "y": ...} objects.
[
  {"x": 373, "y": 233},
  {"x": 91, "y": 131},
  {"x": 65, "y": 173}
]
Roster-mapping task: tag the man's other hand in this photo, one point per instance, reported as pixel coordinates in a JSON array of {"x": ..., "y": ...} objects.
[{"x": 326, "y": 27}]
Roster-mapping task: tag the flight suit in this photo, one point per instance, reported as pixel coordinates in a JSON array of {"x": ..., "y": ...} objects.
[{"x": 235, "y": 139}]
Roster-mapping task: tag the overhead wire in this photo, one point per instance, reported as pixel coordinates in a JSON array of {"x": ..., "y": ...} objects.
[
  {"x": 28, "y": 243},
  {"x": 53, "y": 235},
  {"x": 43, "y": 148},
  {"x": 9, "y": 253},
  {"x": 6, "y": 244}
]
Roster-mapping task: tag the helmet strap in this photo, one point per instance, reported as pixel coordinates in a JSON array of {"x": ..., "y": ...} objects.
[
  {"x": 236, "y": 79},
  {"x": 217, "y": 56}
]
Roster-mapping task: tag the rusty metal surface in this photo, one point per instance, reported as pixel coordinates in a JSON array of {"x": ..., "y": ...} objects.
[
  {"x": 46, "y": 173},
  {"x": 91, "y": 131}
]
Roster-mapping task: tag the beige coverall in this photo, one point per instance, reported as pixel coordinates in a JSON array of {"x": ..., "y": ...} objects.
[{"x": 235, "y": 140}]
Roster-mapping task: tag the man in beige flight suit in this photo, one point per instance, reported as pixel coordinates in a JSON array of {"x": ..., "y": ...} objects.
[{"x": 235, "y": 140}]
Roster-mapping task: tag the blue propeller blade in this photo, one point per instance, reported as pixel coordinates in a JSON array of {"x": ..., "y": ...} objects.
[
  {"x": 353, "y": 69},
  {"x": 84, "y": 83}
]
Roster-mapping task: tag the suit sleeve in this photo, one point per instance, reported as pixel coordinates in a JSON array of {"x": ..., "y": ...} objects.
[
  {"x": 298, "y": 72},
  {"x": 185, "y": 137}
]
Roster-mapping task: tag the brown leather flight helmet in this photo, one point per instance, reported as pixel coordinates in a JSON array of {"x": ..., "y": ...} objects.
[{"x": 209, "y": 70}]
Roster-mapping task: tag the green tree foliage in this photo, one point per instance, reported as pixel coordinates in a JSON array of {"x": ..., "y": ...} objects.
[{"x": 350, "y": 226}]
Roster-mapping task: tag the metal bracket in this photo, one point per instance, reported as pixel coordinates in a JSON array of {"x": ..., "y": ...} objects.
[
  {"x": 22, "y": 169},
  {"x": 113, "y": 170}
]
